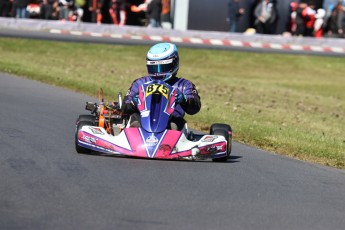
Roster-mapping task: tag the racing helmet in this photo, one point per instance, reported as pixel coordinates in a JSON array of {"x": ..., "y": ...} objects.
[{"x": 162, "y": 61}]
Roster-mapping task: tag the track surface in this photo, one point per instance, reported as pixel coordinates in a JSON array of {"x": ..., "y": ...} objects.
[{"x": 45, "y": 184}]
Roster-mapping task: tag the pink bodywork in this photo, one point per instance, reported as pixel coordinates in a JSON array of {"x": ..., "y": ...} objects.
[{"x": 138, "y": 148}]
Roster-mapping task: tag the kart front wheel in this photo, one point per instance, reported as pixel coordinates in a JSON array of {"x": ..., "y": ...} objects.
[
  {"x": 78, "y": 148},
  {"x": 225, "y": 127},
  {"x": 225, "y": 131},
  {"x": 90, "y": 118}
]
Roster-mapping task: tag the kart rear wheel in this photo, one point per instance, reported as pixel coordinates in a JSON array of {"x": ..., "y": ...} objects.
[
  {"x": 225, "y": 131},
  {"x": 78, "y": 148}
]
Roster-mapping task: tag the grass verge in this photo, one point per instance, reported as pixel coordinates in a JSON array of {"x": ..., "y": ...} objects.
[{"x": 289, "y": 104}]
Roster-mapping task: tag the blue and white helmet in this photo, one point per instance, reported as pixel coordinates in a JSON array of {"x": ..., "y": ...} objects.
[{"x": 162, "y": 61}]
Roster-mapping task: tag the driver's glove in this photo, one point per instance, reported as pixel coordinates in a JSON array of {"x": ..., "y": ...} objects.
[
  {"x": 180, "y": 97},
  {"x": 135, "y": 100}
]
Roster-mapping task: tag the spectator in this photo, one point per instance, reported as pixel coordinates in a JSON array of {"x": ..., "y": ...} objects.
[
  {"x": 309, "y": 16},
  {"x": 251, "y": 13},
  {"x": 64, "y": 9},
  {"x": 336, "y": 22},
  {"x": 331, "y": 29},
  {"x": 46, "y": 10},
  {"x": 319, "y": 23},
  {"x": 20, "y": 8},
  {"x": 300, "y": 19},
  {"x": 5, "y": 8},
  {"x": 56, "y": 9},
  {"x": 76, "y": 11},
  {"x": 140, "y": 8},
  {"x": 329, "y": 6},
  {"x": 165, "y": 16},
  {"x": 137, "y": 12},
  {"x": 117, "y": 12},
  {"x": 95, "y": 7},
  {"x": 234, "y": 12},
  {"x": 33, "y": 9},
  {"x": 154, "y": 10},
  {"x": 265, "y": 16},
  {"x": 79, "y": 10},
  {"x": 292, "y": 25},
  {"x": 341, "y": 21}
]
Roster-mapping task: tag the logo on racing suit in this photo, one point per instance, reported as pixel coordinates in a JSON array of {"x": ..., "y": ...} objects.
[
  {"x": 96, "y": 130},
  {"x": 157, "y": 89},
  {"x": 151, "y": 141}
]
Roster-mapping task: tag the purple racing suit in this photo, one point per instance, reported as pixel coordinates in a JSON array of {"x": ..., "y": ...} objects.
[{"x": 190, "y": 106}]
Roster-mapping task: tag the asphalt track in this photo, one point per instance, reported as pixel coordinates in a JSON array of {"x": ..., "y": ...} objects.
[{"x": 45, "y": 184}]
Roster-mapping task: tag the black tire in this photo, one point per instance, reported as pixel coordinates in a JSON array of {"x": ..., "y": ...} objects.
[
  {"x": 78, "y": 148},
  {"x": 220, "y": 126},
  {"x": 225, "y": 127},
  {"x": 90, "y": 118},
  {"x": 225, "y": 131}
]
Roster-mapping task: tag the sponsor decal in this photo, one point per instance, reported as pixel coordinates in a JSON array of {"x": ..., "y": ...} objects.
[
  {"x": 165, "y": 147},
  {"x": 89, "y": 139},
  {"x": 214, "y": 149},
  {"x": 145, "y": 113},
  {"x": 209, "y": 138},
  {"x": 96, "y": 130},
  {"x": 165, "y": 150},
  {"x": 160, "y": 62},
  {"x": 151, "y": 141}
]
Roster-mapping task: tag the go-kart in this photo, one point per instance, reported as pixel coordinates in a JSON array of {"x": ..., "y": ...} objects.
[{"x": 106, "y": 131}]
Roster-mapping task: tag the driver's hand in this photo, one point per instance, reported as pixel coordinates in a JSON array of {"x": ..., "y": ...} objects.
[
  {"x": 135, "y": 100},
  {"x": 180, "y": 97}
]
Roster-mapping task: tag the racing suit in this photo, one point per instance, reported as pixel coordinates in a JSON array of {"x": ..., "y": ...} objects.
[{"x": 191, "y": 105}]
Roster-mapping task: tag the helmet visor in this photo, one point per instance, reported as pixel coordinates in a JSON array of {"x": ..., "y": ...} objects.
[{"x": 159, "y": 68}]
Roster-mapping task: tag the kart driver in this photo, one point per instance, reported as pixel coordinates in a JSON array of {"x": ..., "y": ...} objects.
[{"x": 162, "y": 63}]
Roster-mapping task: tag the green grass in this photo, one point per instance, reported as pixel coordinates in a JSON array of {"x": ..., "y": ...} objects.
[{"x": 288, "y": 104}]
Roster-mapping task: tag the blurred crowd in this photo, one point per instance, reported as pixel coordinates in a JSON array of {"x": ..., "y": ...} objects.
[
  {"x": 151, "y": 13},
  {"x": 305, "y": 18}
]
